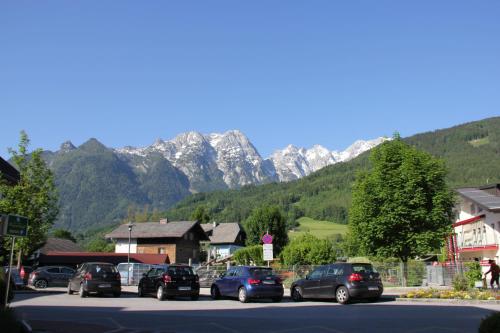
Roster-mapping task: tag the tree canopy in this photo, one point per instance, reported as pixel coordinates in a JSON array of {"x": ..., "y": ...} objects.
[
  {"x": 267, "y": 219},
  {"x": 402, "y": 207}
]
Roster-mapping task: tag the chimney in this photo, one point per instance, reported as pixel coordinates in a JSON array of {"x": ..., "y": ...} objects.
[{"x": 164, "y": 221}]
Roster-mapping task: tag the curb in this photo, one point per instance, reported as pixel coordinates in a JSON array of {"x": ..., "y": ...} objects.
[{"x": 449, "y": 301}]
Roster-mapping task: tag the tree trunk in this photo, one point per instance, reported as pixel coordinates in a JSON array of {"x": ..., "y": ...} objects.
[{"x": 404, "y": 268}]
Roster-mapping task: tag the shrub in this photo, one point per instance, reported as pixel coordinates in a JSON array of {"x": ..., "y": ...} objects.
[
  {"x": 9, "y": 321},
  {"x": 490, "y": 324},
  {"x": 473, "y": 273},
  {"x": 460, "y": 283},
  {"x": 246, "y": 255},
  {"x": 308, "y": 250}
]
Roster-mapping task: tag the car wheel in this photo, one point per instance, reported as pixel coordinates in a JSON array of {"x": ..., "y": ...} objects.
[
  {"x": 342, "y": 295},
  {"x": 41, "y": 284},
  {"x": 214, "y": 292},
  {"x": 242, "y": 295},
  {"x": 160, "y": 294},
  {"x": 70, "y": 292},
  {"x": 140, "y": 292},
  {"x": 297, "y": 294},
  {"x": 195, "y": 297},
  {"x": 81, "y": 292}
]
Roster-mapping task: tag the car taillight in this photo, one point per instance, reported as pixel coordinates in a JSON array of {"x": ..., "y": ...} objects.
[
  {"x": 355, "y": 277},
  {"x": 22, "y": 273},
  {"x": 87, "y": 276},
  {"x": 253, "y": 281},
  {"x": 118, "y": 277},
  {"x": 167, "y": 278},
  {"x": 279, "y": 281}
]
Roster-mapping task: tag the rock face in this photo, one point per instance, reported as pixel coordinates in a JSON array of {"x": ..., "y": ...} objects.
[{"x": 229, "y": 160}]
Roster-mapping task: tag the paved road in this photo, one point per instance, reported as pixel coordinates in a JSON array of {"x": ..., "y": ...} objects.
[{"x": 58, "y": 312}]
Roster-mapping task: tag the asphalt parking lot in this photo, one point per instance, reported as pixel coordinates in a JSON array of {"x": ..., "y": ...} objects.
[{"x": 55, "y": 311}]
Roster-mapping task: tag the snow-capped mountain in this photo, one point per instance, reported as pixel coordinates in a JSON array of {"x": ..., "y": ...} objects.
[
  {"x": 230, "y": 160},
  {"x": 293, "y": 163}
]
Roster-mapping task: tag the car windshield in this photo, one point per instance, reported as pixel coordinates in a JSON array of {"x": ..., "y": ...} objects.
[
  {"x": 179, "y": 271},
  {"x": 363, "y": 268},
  {"x": 261, "y": 272}
]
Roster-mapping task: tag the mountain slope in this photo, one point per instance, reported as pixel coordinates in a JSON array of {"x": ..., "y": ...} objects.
[
  {"x": 98, "y": 184},
  {"x": 471, "y": 152}
]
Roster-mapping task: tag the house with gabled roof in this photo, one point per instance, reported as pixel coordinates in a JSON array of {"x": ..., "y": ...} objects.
[
  {"x": 225, "y": 238},
  {"x": 476, "y": 229},
  {"x": 180, "y": 240}
]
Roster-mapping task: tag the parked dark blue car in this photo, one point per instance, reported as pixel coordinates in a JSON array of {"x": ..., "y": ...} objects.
[{"x": 248, "y": 282}]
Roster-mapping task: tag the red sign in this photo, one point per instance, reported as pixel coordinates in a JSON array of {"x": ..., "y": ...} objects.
[{"x": 267, "y": 239}]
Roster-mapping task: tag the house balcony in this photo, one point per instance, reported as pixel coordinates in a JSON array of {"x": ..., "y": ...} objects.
[{"x": 478, "y": 248}]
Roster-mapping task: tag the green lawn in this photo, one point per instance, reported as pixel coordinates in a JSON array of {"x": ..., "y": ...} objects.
[{"x": 320, "y": 229}]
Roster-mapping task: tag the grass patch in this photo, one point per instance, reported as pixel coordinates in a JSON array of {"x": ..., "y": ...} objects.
[
  {"x": 320, "y": 229},
  {"x": 480, "y": 142}
]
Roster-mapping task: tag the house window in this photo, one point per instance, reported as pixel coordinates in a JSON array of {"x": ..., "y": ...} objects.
[
  {"x": 191, "y": 236},
  {"x": 484, "y": 236},
  {"x": 161, "y": 250}
]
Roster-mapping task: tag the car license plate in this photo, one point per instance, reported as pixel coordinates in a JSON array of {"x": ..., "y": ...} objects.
[
  {"x": 105, "y": 286},
  {"x": 268, "y": 282},
  {"x": 372, "y": 288},
  {"x": 184, "y": 288}
]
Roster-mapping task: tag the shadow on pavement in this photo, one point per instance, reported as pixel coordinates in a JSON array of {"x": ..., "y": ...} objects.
[{"x": 309, "y": 318}]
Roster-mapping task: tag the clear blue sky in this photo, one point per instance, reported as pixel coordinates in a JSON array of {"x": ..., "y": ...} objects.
[{"x": 300, "y": 72}]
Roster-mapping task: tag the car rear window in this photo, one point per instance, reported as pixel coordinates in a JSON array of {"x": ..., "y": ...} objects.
[
  {"x": 180, "y": 271},
  {"x": 103, "y": 269},
  {"x": 261, "y": 272},
  {"x": 363, "y": 268}
]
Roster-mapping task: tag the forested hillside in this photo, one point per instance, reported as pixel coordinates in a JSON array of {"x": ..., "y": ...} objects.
[{"x": 471, "y": 152}]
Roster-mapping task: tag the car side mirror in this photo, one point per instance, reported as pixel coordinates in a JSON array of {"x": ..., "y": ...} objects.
[{"x": 308, "y": 277}]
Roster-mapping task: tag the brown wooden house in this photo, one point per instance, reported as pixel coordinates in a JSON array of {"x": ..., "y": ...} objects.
[{"x": 179, "y": 240}]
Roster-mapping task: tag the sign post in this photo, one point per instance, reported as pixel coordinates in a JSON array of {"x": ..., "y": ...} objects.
[
  {"x": 13, "y": 226},
  {"x": 267, "y": 248}
]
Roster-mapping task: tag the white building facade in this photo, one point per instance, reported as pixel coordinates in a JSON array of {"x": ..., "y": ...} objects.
[{"x": 476, "y": 229}]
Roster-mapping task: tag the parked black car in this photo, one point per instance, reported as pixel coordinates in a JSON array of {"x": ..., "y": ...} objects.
[
  {"x": 50, "y": 276},
  {"x": 247, "y": 282},
  {"x": 95, "y": 277},
  {"x": 340, "y": 281},
  {"x": 166, "y": 281}
]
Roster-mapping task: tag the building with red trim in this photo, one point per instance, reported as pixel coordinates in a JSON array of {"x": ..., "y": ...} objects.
[{"x": 476, "y": 229}]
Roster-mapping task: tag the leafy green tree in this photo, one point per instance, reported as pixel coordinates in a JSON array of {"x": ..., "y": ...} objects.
[
  {"x": 34, "y": 197},
  {"x": 309, "y": 250},
  {"x": 250, "y": 254},
  {"x": 100, "y": 245},
  {"x": 402, "y": 208},
  {"x": 64, "y": 234},
  {"x": 267, "y": 219},
  {"x": 201, "y": 215}
]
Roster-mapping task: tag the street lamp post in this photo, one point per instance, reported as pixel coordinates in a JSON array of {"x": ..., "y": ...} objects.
[{"x": 130, "y": 226}]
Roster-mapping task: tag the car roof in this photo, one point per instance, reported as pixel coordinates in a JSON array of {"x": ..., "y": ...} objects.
[{"x": 97, "y": 263}]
